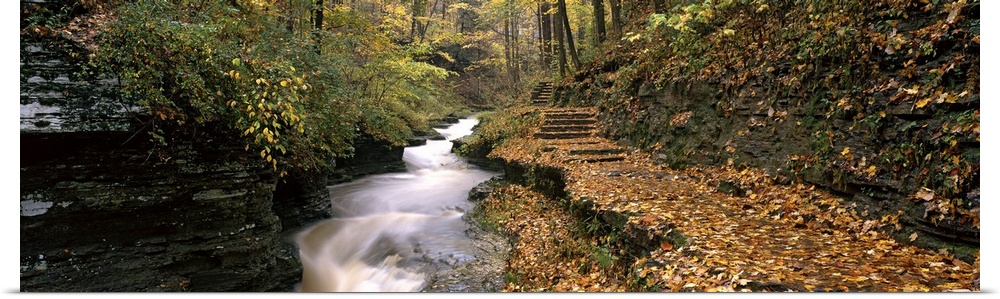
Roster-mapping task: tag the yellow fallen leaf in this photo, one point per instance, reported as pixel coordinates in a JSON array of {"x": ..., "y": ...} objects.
[
  {"x": 913, "y": 237},
  {"x": 846, "y": 151},
  {"x": 871, "y": 171},
  {"x": 923, "y": 103}
]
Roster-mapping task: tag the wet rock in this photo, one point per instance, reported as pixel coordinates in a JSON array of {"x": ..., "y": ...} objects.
[
  {"x": 476, "y": 155},
  {"x": 483, "y": 272},
  {"x": 114, "y": 221},
  {"x": 483, "y": 190},
  {"x": 371, "y": 156}
]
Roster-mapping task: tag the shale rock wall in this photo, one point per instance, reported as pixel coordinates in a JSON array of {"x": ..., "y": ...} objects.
[
  {"x": 97, "y": 215},
  {"x": 104, "y": 209}
]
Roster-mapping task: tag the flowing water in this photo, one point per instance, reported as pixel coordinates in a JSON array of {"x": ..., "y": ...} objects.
[{"x": 389, "y": 229}]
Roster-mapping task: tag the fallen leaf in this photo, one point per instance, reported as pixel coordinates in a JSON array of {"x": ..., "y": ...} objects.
[
  {"x": 924, "y": 194},
  {"x": 923, "y": 103},
  {"x": 954, "y": 9},
  {"x": 913, "y": 237}
]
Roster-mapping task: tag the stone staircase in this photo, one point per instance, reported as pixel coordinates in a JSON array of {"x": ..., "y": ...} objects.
[
  {"x": 541, "y": 94},
  {"x": 567, "y": 123},
  {"x": 574, "y": 129}
]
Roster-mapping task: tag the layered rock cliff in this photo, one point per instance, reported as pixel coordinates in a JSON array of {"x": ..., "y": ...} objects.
[{"x": 104, "y": 208}]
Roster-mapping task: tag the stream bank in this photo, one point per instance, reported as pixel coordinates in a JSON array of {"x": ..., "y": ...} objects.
[
  {"x": 103, "y": 208},
  {"x": 659, "y": 229}
]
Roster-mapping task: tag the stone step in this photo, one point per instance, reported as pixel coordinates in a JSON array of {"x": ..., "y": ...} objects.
[
  {"x": 567, "y": 128},
  {"x": 570, "y": 110},
  {"x": 561, "y": 135},
  {"x": 569, "y": 115},
  {"x": 578, "y": 121},
  {"x": 596, "y": 151},
  {"x": 596, "y": 158}
]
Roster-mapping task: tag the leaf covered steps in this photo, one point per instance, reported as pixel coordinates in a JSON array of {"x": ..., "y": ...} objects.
[
  {"x": 592, "y": 153},
  {"x": 595, "y": 158},
  {"x": 596, "y": 151},
  {"x": 566, "y": 128},
  {"x": 569, "y": 115},
  {"x": 578, "y": 121},
  {"x": 541, "y": 94},
  {"x": 832, "y": 250},
  {"x": 567, "y": 123},
  {"x": 562, "y": 135}
]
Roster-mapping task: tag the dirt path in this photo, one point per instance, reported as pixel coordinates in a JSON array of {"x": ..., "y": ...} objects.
[{"x": 763, "y": 237}]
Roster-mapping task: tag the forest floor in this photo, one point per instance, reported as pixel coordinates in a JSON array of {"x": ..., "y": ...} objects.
[{"x": 703, "y": 229}]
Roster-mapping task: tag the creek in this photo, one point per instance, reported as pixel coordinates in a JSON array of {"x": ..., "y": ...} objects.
[{"x": 393, "y": 232}]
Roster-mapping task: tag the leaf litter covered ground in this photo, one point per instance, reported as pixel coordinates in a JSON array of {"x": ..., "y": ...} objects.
[{"x": 766, "y": 237}]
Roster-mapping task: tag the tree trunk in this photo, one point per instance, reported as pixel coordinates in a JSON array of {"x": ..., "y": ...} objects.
[
  {"x": 546, "y": 33},
  {"x": 659, "y": 6},
  {"x": 540, "y": 41},
  {"x": 506, "y": 46},
  {"x": 599, "y": 20},
  {"x": 516, "y": 46},
  {"x": 444, "y": 9},
  {"x": 558, "y": 31},
  {"x": 423, "y": 29},
  {"x": 616, "y": 18},
  {"x": 317, "y": 25},
  {"x": 569, "y": 34},
  {"x": 417, "y": 10}
]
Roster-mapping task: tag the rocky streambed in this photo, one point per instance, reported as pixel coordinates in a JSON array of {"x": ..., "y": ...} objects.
[{"x": 485, "y": 272}]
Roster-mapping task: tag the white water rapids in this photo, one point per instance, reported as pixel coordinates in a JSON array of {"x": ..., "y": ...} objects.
[{"x": 387, "y": 228}]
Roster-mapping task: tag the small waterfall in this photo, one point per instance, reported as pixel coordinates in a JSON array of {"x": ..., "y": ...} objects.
[{"x": 390, "y": 226}]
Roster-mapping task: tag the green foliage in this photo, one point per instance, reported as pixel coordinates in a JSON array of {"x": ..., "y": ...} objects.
[
  {"x": 869, "y": 64},
  {"x": 603, "y": 256},
  {"x": 495, "y": 128},
  {"x": 197, "y": 65},
  {"x": 247, "y": 71}
]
